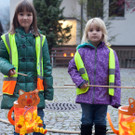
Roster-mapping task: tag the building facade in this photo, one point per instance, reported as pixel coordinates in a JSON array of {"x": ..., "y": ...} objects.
[{"x": 122, "y": 27}]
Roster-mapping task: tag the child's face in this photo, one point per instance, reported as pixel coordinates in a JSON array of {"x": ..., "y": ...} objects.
[
  {"x": 95, "y": 34},
  {"x": 25, "y": 19}
]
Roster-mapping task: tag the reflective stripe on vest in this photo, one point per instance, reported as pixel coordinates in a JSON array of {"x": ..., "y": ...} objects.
[
  {"x": 81, "y": 69},
  {"x": 10, "y": 82},
  {"x": 39, "y": 45},
  {"x": 111, "y": 71}
]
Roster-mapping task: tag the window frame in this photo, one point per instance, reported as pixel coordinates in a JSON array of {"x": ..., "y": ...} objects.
[{"x": 117, "y": 17}]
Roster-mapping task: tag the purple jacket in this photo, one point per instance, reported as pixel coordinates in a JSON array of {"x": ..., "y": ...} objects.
[{"x": 96, "y": 62}]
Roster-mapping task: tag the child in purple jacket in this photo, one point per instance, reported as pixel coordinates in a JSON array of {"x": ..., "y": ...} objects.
[{"x": 95, "y": 63}]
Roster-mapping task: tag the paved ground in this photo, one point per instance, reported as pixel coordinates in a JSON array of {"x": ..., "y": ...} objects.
[{"x": 69, "y": 119}]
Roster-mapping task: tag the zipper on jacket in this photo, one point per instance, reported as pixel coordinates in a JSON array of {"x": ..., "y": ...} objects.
[{"x": 95, "y": 74}]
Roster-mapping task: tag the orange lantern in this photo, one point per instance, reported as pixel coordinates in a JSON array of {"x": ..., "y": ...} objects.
[
  {"x": 25, "y": 114},
  {"x": 126, "y": 119}
]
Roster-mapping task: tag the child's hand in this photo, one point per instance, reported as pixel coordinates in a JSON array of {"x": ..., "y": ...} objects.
[
  {"x": 11, "y": 72},
  {"x": 116, "y": 106},
  {"x": 84, "y": 85}
]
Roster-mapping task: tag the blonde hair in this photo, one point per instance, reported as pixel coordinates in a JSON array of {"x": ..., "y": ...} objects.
[{"x": 99, "y": 23}]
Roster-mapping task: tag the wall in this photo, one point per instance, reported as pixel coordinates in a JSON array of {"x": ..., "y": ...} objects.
[
  {"x": 72, "y": 8},
  {"x": 123, "y": 28}
]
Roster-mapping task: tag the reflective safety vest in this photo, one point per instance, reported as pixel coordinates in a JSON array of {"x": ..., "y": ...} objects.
[
  {"x": 9, "y": 83},
  {"x": 81, "y": 69}
]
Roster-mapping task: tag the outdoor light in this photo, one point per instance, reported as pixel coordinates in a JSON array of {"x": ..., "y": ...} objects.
[
  {"x": 64, "y": 54},
  {"x": 72, "y": 54}
]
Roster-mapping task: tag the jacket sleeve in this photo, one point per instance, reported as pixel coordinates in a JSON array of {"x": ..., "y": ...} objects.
[
  {"x": 75, "y": 75},
  {"x": 48, "y": 79},
  {"x": 116, "y": 99},
  {"x": 5, "y": 65}
]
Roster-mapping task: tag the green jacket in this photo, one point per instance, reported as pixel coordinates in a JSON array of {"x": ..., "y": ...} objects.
[{"x": 27, "y": 64}]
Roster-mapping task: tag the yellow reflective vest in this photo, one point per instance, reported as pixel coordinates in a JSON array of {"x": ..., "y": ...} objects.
[
  {"x": 81, "y": 69},
  {"x": 9, "y": 83}
]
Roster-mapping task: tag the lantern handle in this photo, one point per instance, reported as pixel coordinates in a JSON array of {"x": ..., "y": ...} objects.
[
  {"x": 10, "y": 116},
  {"x": 111, "y": 125}
]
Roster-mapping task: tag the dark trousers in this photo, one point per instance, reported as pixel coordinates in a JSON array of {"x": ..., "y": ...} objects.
[{"x": 93, "y": 115}]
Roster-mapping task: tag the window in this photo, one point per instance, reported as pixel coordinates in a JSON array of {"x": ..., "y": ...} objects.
[
  {"x": 73, "y": 23},
  {"x": 94, "y": 8},
  {"x": 116, "y": 8}
]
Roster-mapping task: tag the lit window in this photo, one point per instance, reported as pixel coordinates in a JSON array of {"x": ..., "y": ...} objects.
[
  {"x": 73, "y": 23},
  {"x": 116, "y": 8}
]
